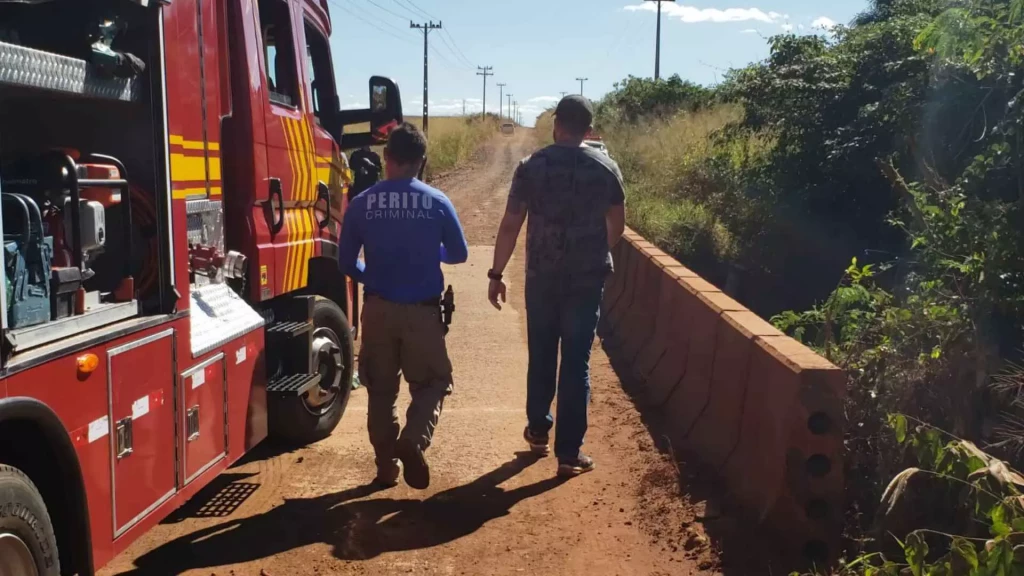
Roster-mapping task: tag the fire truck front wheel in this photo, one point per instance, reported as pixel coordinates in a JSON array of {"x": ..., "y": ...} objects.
[
  {"x": 28, "y": 546},
  {"x": 314, "y": 416}
]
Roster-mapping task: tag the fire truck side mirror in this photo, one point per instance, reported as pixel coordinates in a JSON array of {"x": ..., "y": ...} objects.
[
  {"x": 384, "y": 113},
  {"x": 275, "y": 217},
  {"x": 385, "y": 108},
  {"x": 323, "y": 194}
]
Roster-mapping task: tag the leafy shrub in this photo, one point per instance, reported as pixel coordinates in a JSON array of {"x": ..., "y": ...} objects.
[
  {"x": 990, "y": 500},
  {"x": 635, "y": 98}
]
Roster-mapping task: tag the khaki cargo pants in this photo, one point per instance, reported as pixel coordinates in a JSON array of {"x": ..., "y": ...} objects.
[{"x": 403, "y": 339}]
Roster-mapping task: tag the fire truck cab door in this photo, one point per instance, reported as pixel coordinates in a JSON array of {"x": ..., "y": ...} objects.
[
  {"x": 290, "y": 152},
  {"x": 331, "y": 173}
]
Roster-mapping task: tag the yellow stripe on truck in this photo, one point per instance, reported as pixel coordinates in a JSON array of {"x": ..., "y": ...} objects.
[{"x": 188, "y": 168}]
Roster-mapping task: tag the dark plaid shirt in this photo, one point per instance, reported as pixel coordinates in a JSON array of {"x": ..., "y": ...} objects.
[{"x": 568, "y": 192}]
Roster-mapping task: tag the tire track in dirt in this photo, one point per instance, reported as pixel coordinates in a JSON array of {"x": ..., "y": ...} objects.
[{"x": 490, "y": 509}]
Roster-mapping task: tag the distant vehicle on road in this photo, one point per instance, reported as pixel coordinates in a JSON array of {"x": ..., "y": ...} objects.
[
  {"x": 597, "y": 145},
  {"x": 508, "y": 128}
]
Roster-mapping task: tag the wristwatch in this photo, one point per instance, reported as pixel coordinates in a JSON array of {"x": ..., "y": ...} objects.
[{"x": 494, "y": 275}]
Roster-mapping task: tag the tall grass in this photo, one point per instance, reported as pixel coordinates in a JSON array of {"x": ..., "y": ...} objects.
[
  {"x": 670, "y": 194},
  {"x": 678, "y": 194},
  {"x": 451, "y": 140}
]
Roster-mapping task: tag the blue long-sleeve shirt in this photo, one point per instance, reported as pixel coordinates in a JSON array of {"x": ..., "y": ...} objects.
[{"x": 406, "y": 230}]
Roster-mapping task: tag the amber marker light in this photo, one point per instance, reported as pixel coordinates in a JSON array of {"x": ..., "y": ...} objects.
[{"x": 87, "y": 363}]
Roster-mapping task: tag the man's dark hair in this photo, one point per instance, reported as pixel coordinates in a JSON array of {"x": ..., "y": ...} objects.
[
  {"x": 407, "y": 144},
  {"x": 575, "y": 113}
]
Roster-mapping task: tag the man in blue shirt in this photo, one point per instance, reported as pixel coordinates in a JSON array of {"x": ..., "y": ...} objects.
[{"x": 406, "y": 230}]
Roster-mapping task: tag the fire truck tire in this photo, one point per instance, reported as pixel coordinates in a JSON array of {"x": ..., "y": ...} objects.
[
  {"x": 27, "y": 541},
  {"x": 294, "y": 419}
]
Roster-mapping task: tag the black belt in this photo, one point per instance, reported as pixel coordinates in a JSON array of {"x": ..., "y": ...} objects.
[{"x": 436, "y": 301}]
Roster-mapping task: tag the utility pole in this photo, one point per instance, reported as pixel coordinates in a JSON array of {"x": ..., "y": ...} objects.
[
  {"x": 510, "y": 117},
  {"x": 657, "y": 41},
  {"x": 501, "y": 89},
  {"x": 517, "y": 112},
  {"x": 563, "y": 94},
  {"x": 427, "y": 27},
  {"x": 463, "y": 106},
  {"x": 581, "y": 81},
  {"x": 485, "y": 71}
]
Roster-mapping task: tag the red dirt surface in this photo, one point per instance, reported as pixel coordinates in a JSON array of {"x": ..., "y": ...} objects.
[{"x": 491, "y": 508}]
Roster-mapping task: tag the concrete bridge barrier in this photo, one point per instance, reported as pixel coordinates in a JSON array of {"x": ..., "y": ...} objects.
[{"x": 756, "y": 405}]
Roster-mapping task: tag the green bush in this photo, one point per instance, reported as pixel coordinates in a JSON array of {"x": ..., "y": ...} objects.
[{"x": 896, "y": 143}]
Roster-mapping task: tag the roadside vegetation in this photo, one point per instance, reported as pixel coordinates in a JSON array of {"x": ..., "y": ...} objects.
[
  {"x": 452, "y": 140},
  {"x": 865, "y": 190}
]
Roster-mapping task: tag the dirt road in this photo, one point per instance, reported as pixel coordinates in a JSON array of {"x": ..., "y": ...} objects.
[{"x": 491, "y": 509}]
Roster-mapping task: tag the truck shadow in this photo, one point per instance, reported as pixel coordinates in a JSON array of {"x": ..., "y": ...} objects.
[{"x": 356, "y": 529}]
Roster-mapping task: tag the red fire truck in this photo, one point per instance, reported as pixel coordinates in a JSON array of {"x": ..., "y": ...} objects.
[{"x": 171, "y": 190}]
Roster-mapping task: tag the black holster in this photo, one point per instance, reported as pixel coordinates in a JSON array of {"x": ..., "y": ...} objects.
[{"x": 447, "y": 308}]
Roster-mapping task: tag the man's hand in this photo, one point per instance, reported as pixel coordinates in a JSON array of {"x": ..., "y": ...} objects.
[{"x": 494, "y": 290}]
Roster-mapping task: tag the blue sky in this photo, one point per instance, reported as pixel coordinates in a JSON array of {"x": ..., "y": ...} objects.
[{"x": 539, "y": 47}]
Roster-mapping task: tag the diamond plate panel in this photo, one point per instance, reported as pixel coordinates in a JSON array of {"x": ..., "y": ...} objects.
[
  {"x": 205, "y": 223},
  {"x": 218, "y": 316},
  {"x": 37, "y": 69},
  {"x": 205, "y": 226}
]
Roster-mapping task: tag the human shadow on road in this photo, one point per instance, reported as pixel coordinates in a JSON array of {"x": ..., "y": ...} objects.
[{"x": 357, "y": 529}]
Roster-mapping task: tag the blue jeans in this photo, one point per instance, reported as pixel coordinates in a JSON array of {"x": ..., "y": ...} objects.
[{"x": 557, "y": 312}]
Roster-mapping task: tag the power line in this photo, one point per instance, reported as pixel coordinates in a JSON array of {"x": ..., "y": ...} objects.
[
  {"x": 426, "y": 28},
  {"x": 446, "y": 62},
  {"x": 361, "y": 9},
  {"x": 395, "y": 14},
  {"x": 368, "y": 22},
  {"x": 657, "y": 41},
  {"x": 468, "y": 65},
  {"x": 416, "y": 9},
  {"x": 581, "y": 81},
  {"x": 445, "y": 32},
  {"x": 408, "y": 13},
  {"x": 453, "y": 51},
  {"x": 485, "y": 71}
]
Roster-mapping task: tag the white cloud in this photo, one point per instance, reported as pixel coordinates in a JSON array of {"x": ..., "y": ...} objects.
[
  {"x": 787, "y": 27},
  {"x": 354, "y": 106},
  {"x": 692, "y": 14},
  {"x": 544, "y": 99},
  {"x": 801, "y": 26},
  {"x": 748, "y": 31},
  {"x": 824, "y": 23}
]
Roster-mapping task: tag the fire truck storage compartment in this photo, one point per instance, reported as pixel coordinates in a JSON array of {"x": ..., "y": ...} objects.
[
  {"x": 142, "y": 423},
  {"x": 81, "y": 165},
  {"x": 202, "y": 418}
]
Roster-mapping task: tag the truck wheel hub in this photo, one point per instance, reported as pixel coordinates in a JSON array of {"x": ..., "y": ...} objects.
[
  {"x": 328, "y": 362},
  {"x": 15, "y": 557}
]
